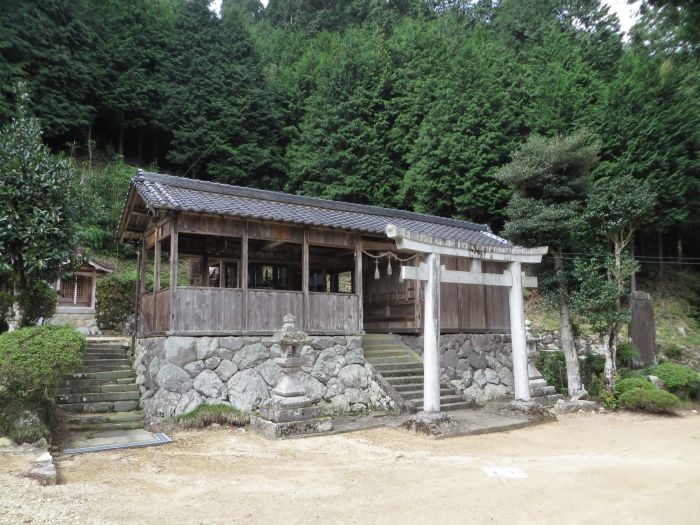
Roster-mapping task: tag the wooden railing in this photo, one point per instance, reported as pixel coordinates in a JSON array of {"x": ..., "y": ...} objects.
[
  {"x": 208, "y": 310},
  {"x": 219, "y": 311},
  {"x": 154, "y": 313},
  {"x": 332, "y": 312},
  {"x": 267, "y": 308}
]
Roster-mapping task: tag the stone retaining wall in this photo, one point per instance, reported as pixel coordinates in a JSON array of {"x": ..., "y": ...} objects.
[
  {"x": 480, "y": 366},
  {"x": 585, "y": 344},
  {"x": 177, "y": 374}
]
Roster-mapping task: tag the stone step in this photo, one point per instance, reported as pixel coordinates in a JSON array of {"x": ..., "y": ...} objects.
[
  {"x": 98, "y": 382},
  {"x": 106, "y": 417},
  {"x": 105, "y": 421},
  {"x": 106, "y": 362},
  {"x": 104, "y": 374},
  {"x": 101, "y": 406},
  {"x": 414, "y": 392},
  {"x": 403, "y": 380},
  {"x": 447, "y": 407},
  {"x": 389, "y": 369},
  {"x": 396, "y": 360},
  {"x": 444, "y": 398},
  {"x": 385, "y": 351},
  {"x": 98, "y": 397},
  {"x": 93, "y": 389},
  {"x": 545, "y": 391},
  {"x": 103, "y": 347},
  {"x": 102, "y": 354},
  {"x": 92, "y": 369}
]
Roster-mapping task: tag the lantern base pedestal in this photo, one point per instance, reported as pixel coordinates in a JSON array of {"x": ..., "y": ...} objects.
[{"x": 289, "y": 417}]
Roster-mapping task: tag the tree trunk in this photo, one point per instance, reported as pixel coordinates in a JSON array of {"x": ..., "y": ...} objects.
[
  {"x": 633, "y": 277},
  {"x": 139, "y": 155},
  {"x": 120, "y": 148},
  {"x": 573, "y": 376},
  {"x": 15, "y": 312},
  {"x": 679, "y": 249},
  {"x": 608, "y": 349},
  {"x": 89, "y": 146},
  {"x": 660, "y": 253}
]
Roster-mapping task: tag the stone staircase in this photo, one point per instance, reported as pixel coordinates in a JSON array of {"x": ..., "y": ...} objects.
[
  {"x": 401, "y": 374},
  {"x": 103, "y": 394}
]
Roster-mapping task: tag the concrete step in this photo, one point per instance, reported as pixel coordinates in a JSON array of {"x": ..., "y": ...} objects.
[
  {"x": 101, "y": 406},
  {"x": 93, "y": 389},
  {"x": 386, "y": 352},
  {"x": 104, "y": 348},
  {"x": 104, "y": 368},
  {"x": 104, "y": 374},
  {"x": 444, "y": 398},
  {"x": 98, "y": 397}
]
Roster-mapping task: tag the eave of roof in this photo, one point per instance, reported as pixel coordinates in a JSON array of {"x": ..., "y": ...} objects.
[{"x": 165, "y": 192}]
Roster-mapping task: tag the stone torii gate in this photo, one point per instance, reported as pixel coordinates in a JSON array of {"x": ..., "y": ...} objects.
[{"x": 433, "y": 273}]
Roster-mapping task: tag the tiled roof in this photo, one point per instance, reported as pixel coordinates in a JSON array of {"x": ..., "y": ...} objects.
[{"x": 177, "y": 193}]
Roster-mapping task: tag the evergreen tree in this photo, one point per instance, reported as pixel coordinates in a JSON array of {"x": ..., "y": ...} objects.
[
  {"x": 38, "y": 207},
  {"x": 50, "y": 45},
  {"x": 223, "y": 123},
  {"x": 550, "y": 180}
]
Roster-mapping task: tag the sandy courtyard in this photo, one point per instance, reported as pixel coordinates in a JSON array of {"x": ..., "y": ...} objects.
[{"x": 583, "y": 469}]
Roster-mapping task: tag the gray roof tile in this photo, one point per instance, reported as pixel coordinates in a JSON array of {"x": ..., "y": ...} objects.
[{"x": 177, "y": 193}]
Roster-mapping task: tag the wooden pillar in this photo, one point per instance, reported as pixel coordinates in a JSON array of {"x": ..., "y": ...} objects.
[
  {"x": 305, "y": 278},
  {"x": 358, "y": 284},
  {"x": 431, "y": 336},
  {"x": 521, "y": 378},
  {"x": 144, "y": 268},
  {"x": 156, "y": 266},
  {"x": 93, "y": 298},
  {"x": 204, "y": 270},
  {"x": 244, "y": 276},
  {"x": 173, "y": 269}
]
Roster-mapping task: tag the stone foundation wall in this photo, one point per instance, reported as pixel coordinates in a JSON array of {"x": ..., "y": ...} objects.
[
  {"x": 84, "y": 322},
  {"x": 177, "y": 374},
  {"x": 585, "y": 344},
  {"x": 480, "y": 366}
]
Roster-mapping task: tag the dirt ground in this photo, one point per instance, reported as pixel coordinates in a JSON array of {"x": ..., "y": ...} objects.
[{"x": 586, "y": 468}]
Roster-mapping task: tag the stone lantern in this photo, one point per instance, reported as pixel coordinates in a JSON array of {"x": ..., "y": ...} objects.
[{"x": 290, "y": 412}]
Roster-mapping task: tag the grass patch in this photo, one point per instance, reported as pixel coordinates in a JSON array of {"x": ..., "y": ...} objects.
[{"x": 205, "y": 415}]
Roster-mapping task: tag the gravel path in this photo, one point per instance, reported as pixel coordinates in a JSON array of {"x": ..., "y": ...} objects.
[{"x": 587, "y": 468}]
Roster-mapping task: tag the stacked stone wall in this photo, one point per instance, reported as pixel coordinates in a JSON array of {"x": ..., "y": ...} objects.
[
  {"x": 480, "y": 366},
  {"x": 177, "y": 374}
]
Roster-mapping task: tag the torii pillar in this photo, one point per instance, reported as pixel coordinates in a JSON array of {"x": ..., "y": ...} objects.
[{"x": 433, "y": 274}]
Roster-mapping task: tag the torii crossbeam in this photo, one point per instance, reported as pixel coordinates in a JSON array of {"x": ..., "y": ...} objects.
[{"x": 433, "y": 274}]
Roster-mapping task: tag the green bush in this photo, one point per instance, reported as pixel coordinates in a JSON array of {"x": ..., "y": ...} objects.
[
  {"x": 679, "y": 379},
  {"x": 591, "y": 367},
  {"x": 649, "y": 400},
  {"x": 627, "y": 353},
  {"x": 36, "y": 301},
  {"x": 630, "y": 383},
  {"x": 553, "y": 368},
  {"x": 115, "y": 300},
  {"x": 673, "y": 351},
  {"x": 33, "y": 360}
]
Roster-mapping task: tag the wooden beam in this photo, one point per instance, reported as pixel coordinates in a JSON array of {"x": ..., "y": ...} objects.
[
  {"x": 272, "y": 245},
  {"x": 144, "y": 269},
  {"x": 420, "y": 273}
]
